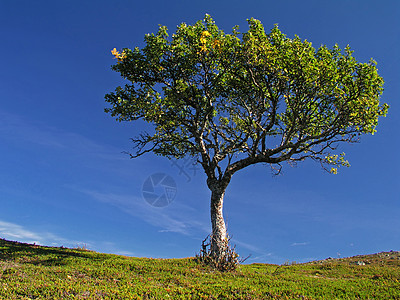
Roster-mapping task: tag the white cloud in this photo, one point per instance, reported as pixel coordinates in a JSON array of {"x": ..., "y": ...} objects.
[
  {"x": 246, "y": 246},
  {"x": 16, "y": 232},
  {"x": 124, "y": 253},
  {"x": 259, "y": 258},
  {"x": 299, "y": 244},
  {"x": 111, "y": 247},
  {"x": 17, "y": 128},
  {"x": 177, "y": 217},
  {"x": 256, "y": 254}
]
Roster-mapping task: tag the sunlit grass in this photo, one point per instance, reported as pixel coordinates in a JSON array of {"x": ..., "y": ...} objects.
[{"x": 34, "y": 272}]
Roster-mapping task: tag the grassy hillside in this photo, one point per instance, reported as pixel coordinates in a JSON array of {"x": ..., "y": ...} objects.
[{"x": 35, "y": 272}]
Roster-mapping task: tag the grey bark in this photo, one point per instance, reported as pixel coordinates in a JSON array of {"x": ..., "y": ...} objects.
[
  {"x": 218, "y": 236},
  {"x": 219, "y": 241}
]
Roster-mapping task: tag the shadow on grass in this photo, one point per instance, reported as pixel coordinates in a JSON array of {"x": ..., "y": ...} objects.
[{"x": 41, "y": 255}]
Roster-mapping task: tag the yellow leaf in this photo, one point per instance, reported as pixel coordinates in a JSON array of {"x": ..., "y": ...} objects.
[
  {"x": 217, "y": 45},
  {"x": 115, "y": 52},
  {"x": 119, "y": 56},
  {"x": 205, "y": 33}
]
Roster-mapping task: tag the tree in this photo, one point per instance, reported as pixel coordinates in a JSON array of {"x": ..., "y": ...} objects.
[{"x": 235, "y": 100}]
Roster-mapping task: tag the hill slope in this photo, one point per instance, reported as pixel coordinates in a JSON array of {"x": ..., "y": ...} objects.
[{"x": 36, "y": 272}]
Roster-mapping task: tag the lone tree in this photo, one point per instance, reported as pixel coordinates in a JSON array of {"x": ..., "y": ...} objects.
[{"x": 239, "y": 99}]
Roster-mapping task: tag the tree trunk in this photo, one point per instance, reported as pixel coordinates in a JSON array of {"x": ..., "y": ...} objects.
[{"x": 219, "y": 242}]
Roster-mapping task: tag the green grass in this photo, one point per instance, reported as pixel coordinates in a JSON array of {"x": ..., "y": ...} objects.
[{"x": 35, "y": 272}]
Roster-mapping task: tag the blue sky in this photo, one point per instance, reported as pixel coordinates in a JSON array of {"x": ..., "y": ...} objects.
[{"x": 65, "y": 181}]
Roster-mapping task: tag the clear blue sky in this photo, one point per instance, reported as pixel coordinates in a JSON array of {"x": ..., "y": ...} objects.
[{"x": 65, "y": 181}]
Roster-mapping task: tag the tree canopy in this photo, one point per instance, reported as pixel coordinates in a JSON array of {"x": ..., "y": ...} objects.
[
  {"x": 254, "y": 97},
  {"x": 238, "y": 99}
]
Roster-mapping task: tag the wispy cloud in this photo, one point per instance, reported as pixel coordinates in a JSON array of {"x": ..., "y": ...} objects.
[
  {"x": 12, "y": 231},
  {"x": 111, "y": 247},
  {"x": 299, "y": 244},
  {"x": 256, "y": 254},
  {"x": 16, "y": 232},
  {"x": 177, "y": 217},
  {"x": 15, "y": 127},
  {"x": 246, "y": 246},
  {"x": 124, "y": 253}
]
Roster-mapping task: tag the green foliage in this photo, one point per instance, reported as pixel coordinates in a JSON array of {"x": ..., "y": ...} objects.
[
  {"x": 34, "y": 272},
  {"x": 260, "y": 96}
]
